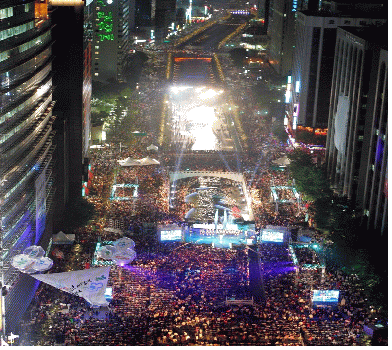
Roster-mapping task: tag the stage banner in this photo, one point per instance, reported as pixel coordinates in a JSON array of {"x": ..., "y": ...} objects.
[{"x": 89, "y": 284}]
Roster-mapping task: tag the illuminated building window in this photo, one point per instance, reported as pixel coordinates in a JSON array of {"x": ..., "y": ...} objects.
[
  {"x": 96, "y": 74},
  {"x": 4, "y": 55},
  {"x": 7, "y": 12},
  {"x": 10, "y": 32}
]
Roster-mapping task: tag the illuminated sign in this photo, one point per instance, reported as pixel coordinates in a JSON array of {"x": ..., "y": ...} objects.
[
  {"x": 105, "y": 22},
  {"x": 297, "y": 85},
  {"x": 67, "y": 2},
  {"x": 325, "y": 296},
  {"x": 295, "y": 112},
  {"x": 272, "y": 236},
  {"x": 295, "y": 4},
  {"x": 171, "y": 235},
  {"x": 288, "y": 93}
]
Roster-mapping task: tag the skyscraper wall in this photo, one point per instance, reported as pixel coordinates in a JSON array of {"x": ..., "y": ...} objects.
[
  {"x": 165, "y": 14},
  {"x": 313, "y": 62},
  {"x": 281, "y": 31},
  {"x": 72, "y": 122},
  {"x": 357, "y": 129},
  {"x": 111, "y": 28},
  {"x": 26, "y": 143}
]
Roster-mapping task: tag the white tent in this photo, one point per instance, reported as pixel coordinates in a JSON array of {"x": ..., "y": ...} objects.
[
  {"x": 138, "y": 162},
  {"x": 62, "y": 238},
  {"x": 152, "y": 148},
  {"x": 282, "y": 161},
  {"x": 148, "y": 161},
  {"x": 129, "y": 162}
]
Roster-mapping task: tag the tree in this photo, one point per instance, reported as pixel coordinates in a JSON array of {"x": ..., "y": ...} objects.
[
  {"x": 78, "y": 213},
  {"x": 279, "y": 131},
  {"x": 238, "y": 56},
  {"x": 310, "y": 180}
]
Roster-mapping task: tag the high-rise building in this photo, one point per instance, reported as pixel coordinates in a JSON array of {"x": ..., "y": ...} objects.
[
  {"x": 280, "y": 17},
  {"x": 72, "y": 77},
  {"x": 26, "y": 144},
  {"x": 281, "y": 23},
  {"x": 111, "y": 38},
  {"x": 143, "y": 13},
  {"x": 357, "y": 143},
  {"x": 314, "y": 56},
  {"x": 165, "y": 17}
]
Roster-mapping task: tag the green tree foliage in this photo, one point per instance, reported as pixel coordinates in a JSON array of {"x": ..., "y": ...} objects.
[
  {"x": 279, "y": 131},
  {"x": 354, "y": 249},
  {"x": 78, "y": 213},
  {"x": 238, "y": 56},
  {"x": 310, "y": 180},
  {"x": 133, "y": 65},
  {"x": 97, "y": 118}
]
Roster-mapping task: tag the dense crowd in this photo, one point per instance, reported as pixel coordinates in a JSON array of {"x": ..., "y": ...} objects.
[{"x": 177, "y": 294}]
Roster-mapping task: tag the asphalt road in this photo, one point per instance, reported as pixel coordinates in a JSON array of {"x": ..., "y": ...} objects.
[{"x": 209, "y": 39}]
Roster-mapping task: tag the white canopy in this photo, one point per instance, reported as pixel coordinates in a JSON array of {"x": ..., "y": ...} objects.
[
  {"x": 139, "y": 162},
  {"x": 152, "y": 148},
  {"x": 282, "y": 161},
  {"x": 129, "y": 162},
  {"x": 62, "y": 238},
  {"x": 148, "y": 161}
]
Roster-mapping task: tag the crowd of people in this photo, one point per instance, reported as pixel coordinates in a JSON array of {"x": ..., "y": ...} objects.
[{"x": 177, "y": 293}]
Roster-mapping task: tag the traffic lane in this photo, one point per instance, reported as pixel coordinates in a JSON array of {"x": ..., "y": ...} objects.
[{"x": 211, "y": 37}]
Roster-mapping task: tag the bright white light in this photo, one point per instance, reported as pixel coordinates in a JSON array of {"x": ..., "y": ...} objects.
[
  {"x": 297, "y": 86},
  {"x": 177, "y": 89},
  {"x": 202, "y": 119},
  {"x": 208, "y": 94}
]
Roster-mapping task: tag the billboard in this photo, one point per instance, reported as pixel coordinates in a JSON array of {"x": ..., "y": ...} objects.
[
  {"x": 325, "y": 296},
  {"x": 272, "y": 236},
  {"x": 171, "y": 235}
]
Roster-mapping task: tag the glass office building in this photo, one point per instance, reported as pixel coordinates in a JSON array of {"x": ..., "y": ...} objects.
[{"x": 26, "y": 136}]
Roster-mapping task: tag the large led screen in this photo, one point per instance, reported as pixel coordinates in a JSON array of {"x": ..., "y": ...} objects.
[
  {"x": 272, "y": 236},
  {"x": 171, "y": 235},
  {"x": 325, "y": 296}
]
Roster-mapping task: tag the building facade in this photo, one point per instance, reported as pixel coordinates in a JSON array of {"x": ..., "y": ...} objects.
[
  {"x": 357, "y": 141},
  {"x": 313, "y": 62},
  {"x": 72, "y": 33},
  {"x": 165, "y": 18},
  {"x": 26, "y": 144},
  {"x": 112, "y": 21},
  {"x": 281, "y": 23}
]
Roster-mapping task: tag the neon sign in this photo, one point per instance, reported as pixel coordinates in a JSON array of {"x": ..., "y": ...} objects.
[{"x": 105, "y": 22}]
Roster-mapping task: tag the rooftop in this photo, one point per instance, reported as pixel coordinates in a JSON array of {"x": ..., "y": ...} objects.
[{"x": 377, "y": 35}]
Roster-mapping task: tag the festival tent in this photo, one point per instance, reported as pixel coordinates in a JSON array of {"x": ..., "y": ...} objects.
[
  {"x": 62, "y": 238},
  {"x": 148, "y": 161},
  {"x": 138, "y": 162},
  {"x": 129, "y": 162},
  {"x": 152, "y": 148},
  {"x": 284, "y": 161}
]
